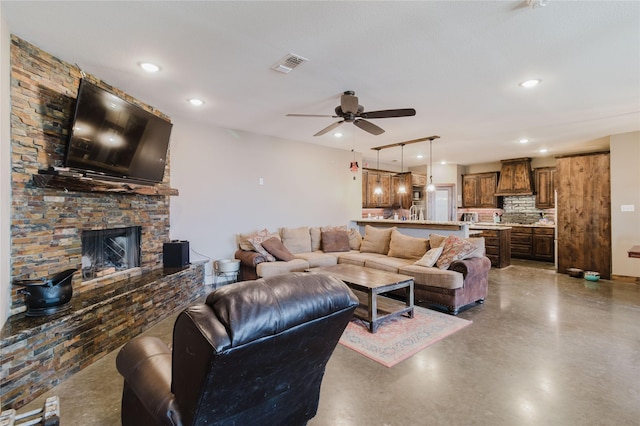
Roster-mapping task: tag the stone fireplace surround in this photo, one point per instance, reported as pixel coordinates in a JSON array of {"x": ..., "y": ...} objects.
[{"x": 46, "y": 228}]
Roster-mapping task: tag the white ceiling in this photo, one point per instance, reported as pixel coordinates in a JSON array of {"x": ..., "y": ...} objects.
[{"x": 457, "y": 63}]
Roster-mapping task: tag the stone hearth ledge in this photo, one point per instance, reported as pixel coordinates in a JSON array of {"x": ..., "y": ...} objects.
[{"x": 40, "y": 352}]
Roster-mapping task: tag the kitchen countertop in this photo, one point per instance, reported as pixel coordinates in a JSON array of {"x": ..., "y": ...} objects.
[{"x": 490, "y": 225}]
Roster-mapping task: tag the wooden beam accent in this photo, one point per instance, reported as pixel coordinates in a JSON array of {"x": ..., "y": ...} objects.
[{"x": 428, "y": 138}]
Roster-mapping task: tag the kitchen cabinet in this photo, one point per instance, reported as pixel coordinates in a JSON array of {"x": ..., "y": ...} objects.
[
  {"x": 515, "y": 177},
  {"x": 522, "y": 242},
  {"x": 497, "y": 243},
  {"x": 584, "y": 213},
  {"x": 369, "y": 199},
  {"x": 543, "y": 244},
  {"x": 545, "y": 187},
  {"x": 479, "y": 189},
  {"x": 397, "y": 199}
]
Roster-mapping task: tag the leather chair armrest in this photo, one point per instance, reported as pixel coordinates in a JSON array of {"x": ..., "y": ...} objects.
[
  {"x": 471, "y": 267},
  {"x": 249, "y": 258},
  {"x": 145, "y": 364}
]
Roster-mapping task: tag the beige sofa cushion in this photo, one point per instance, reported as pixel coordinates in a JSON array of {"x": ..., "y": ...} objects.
[
  {"x": 407, "y": 247},
  {"x": 376, "y": 240},
  {"x": 269, "y": 269},
  {"x": 430, "y": 258},
  {"x": 318, "y": 258},
  {"x": 316, "y": 238},
  {"x": 436, "y": 240},
  {"x": 355, "y": 239},
  {"x": 297, "y": 240},
  {"x": 386, "y": 263},
  {"x": 358, "y": 258},
  {"x": 433, "y": 277}
]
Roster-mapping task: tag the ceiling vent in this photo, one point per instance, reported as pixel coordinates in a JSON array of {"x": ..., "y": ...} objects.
[{"x": 289, "y": 62}]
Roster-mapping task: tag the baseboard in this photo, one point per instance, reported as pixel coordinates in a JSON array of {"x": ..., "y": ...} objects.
[{"x": 624, "y": 278}]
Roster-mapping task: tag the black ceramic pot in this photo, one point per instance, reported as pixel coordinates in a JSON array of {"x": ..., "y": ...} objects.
[{"x": 48, "y": 295}]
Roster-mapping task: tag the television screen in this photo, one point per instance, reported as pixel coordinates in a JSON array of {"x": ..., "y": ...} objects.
[{"x": 112, "y": 137}]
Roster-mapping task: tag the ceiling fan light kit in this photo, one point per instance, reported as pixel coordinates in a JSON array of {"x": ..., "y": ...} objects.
[{"x": 350, "y": 111}]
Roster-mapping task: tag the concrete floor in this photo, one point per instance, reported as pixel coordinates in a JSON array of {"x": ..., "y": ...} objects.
[{"x": 545, "y": 349}]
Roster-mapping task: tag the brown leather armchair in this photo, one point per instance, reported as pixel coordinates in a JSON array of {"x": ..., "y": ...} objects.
[{"x": 253, "y": 354}]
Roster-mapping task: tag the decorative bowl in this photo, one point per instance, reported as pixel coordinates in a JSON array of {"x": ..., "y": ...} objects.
[
  {"x": 591, "y": 276},
  {"x": 226, "y": 265}
]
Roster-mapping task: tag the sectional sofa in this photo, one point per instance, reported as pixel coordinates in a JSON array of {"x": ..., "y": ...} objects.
[{"x": 449, "y": 272}]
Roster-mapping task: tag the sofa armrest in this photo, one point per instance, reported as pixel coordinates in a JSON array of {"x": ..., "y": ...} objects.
[
  {"x": 249, "y": 258},
  {"x": 472, "y": 267},
  {"x": 145, "y": 364}
]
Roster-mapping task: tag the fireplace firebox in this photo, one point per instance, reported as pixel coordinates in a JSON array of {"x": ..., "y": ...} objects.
[{"x": 106, "y": 251}]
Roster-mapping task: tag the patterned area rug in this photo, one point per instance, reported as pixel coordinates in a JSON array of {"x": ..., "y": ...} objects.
[{"x": 399, "y": 338}]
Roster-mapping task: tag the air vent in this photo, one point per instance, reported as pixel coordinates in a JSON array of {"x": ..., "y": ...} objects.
[{"x": 289, "y": 62}]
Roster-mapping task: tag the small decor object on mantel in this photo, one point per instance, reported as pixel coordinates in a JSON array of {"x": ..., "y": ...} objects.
[{"x": 47, "y": 296}]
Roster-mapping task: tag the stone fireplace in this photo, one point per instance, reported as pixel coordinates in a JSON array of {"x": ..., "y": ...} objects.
[{"x": 106, "y": 251}]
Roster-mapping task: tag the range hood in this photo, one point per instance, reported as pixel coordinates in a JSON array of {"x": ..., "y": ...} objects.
[{"x": 515, "y": 177}]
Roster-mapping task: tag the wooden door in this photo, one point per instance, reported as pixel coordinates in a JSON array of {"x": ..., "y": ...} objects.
[{"x": 584, "y": 213}]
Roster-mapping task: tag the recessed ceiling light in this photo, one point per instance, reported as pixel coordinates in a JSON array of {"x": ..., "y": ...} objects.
[
  {"x": 419, "y": 156},
  {"x": 524, "y": 140},
  {"x": 149, "y": 67},
  {"x": 543, "y": 150},
  {"x": 196, "y": 102},
  {"x": 530, "y": 83},
  {"x": 337, "y": 134},
  {"x": 443, "y": 162}
]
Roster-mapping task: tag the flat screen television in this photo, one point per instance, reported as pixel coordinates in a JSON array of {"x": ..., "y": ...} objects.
[{"x": 112, "y": 138}]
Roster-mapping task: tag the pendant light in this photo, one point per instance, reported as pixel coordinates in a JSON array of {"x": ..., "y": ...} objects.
[
  {"x": 402, "y": 189},
  {"x": 431, "y": 187},
  {"x": 378, "y": 188}
]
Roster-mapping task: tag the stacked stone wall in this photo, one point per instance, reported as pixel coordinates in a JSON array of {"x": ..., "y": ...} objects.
[{"x": 46, "y": 224}]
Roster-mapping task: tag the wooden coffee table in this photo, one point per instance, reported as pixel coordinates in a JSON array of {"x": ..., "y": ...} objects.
[{"x": 368, "y": 284}]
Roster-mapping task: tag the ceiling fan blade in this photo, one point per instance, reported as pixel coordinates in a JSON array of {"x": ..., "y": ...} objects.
[
  {"x": 329, "y": 128},
  {"x": 368, "y": 127},
  {"x": 309, "y": 115},
  {"x": 388, "y": 113},
  {"x": 349, "y": 103}
]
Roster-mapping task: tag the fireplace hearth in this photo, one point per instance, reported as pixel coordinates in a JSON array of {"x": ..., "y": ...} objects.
[{"x": 107, "y": 251}]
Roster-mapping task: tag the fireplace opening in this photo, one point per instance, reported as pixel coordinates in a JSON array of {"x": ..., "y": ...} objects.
[{"x": 106, "y": 251}]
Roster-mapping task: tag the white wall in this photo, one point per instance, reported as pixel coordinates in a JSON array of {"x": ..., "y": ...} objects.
[
  {"x": 625, "y": 190},
  {"x": 5, "y": 169},
  {"x": 217, "y": 173}
]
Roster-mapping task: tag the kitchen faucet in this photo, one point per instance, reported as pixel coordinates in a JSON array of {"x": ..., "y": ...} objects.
[{"x": 413, "y": 212}]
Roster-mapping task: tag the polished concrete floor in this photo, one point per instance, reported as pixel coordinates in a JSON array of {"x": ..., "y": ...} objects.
[{"x": 545, "y": 349}]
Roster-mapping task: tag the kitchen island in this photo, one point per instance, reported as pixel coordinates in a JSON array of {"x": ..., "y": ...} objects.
[
  {"x": 497, "y": 242},
  {"x": 416, "y": 228}
]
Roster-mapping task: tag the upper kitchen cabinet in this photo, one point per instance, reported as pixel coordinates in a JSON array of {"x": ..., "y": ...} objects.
[
  {"x": 369, "y": 198},
  {"x": 545, "y": 187},
  {"x": 584, "y": 213},
  {"x": 398, "y": 199},
  {"x": 479, "y": 190},
  {"x": 515, "y": 177}
]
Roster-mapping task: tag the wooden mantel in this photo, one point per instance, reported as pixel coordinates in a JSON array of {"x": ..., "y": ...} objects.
[{"x": 81, "y": 184}]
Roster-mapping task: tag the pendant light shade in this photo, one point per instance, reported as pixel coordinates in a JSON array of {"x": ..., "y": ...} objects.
[
  {"x": 431, "y": 187},
  {"x": 378, "y": 188},
  {"x": 402, "y": 189}
]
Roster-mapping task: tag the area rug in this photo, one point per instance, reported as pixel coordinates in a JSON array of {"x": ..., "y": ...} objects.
[{"x": 399, "y": 338}]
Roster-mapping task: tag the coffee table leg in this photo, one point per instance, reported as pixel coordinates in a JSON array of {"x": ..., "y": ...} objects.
[
  {"x": 409, "y": 299},
  {"x": 373, "y": 312}
]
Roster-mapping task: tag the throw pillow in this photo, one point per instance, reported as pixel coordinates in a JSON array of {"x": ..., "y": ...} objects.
[
  {"x": 407, "y": 247},
  {"x": 355, "y": 239},
  {"x": 257, "y": 241},
  {"x": 479, "y": 248},
  {"x": 316, "y": 238},
  {"x": 243, "y": 239},
  {"x": 275, "y": 247},
  {"x": 454, "y": 248},
  {"x": 376, "y": 240},
  {"x": 335, "y": 241},
  {"x": 297, "y": 240},
  {"x": 436, "y": 240},
  {"x": 429, "y": 259}
]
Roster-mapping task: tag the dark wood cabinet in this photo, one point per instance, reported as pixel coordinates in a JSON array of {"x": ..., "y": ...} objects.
[
  {"x": 397, "y": 199},
  {"x": 478, "y": 190},
  {"x": 522, "y": 242},
  {"x": 543, "y": 244},
  {"x": 497, "y": 243},
  {"x": 545, "y": 187},
  {"x": 369, "y": 198},
  {"x": 584, "y": 213}
]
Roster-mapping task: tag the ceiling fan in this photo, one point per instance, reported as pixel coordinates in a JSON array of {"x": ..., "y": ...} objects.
[{"x": 351, "y": 112}]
